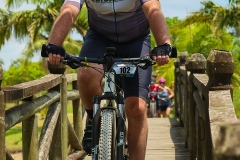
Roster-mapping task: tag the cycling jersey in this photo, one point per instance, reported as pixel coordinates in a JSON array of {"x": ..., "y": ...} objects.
[
  {"x": 153, "y": 90},
  {"x": 117, "y": 20}
]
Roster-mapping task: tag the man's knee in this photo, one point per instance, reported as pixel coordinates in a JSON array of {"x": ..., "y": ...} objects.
[{"x": 136, "y": 107}]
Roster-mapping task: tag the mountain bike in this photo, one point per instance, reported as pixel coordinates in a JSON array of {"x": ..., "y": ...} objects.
[{"x": 109, "y": 141}]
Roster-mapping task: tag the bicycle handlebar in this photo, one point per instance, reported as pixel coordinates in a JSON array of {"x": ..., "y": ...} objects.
[{"x": 75, "y": 62}]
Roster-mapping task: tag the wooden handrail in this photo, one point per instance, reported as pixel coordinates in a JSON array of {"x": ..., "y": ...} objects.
[
  {"x": 54, "y": 93},
  {"x": 203, "y": 98}
]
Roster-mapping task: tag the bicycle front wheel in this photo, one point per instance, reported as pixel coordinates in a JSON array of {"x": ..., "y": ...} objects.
[
  {"x": 107, "y": 140},
  {"x": 152, "y": 109}
]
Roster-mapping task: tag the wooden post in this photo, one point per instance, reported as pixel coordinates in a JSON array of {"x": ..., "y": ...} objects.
[
  {"x": 228, "y": 141},
  {"x": 59, "y": 148},
  {"x": 2, "y": 119},
  {"x": 63, "y": 101},
  {"x": 177, "y": 87},
  {"x": 220, "y": 68},
  {"x": 56, "y": 69},
  {"x": 77, "y": 115},
  {"x": 30, "y": 138},
  {"x": 176, "y": 84},
  {"x": 195, "y": 64}
]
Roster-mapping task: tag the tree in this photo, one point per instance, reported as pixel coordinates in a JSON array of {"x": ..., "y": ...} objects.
[
  {"x": 19, "y": 73},
  {"x": 217, "y": 16},
  {"x": 36, "y": 25}
]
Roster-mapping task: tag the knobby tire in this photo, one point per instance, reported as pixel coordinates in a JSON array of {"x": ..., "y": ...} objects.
[
  {"x": 152, "y": 109},
  {"x": 107, "y": 140}
]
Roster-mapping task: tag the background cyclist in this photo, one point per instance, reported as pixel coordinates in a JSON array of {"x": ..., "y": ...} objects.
[
  {"x": 124, "y": 25},
  {"x": 152, "y": 96},
  {"x": 164, "y": 96}
]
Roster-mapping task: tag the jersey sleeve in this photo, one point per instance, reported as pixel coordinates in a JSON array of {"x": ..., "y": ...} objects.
[
  {"x": 76, "y": 3},
  {"x": 143, "y": 1}
]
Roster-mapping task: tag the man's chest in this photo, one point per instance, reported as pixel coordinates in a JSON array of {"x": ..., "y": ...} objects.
[{"x": 113, "y": 6}]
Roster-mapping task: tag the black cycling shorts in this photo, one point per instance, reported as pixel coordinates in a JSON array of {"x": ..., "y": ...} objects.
[
  {"x": 163, "y": 108},
  {"x": 95, "y": 46}
]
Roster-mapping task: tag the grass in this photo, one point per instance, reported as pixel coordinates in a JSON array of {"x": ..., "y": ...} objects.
[{"x": 13, "y": 136}]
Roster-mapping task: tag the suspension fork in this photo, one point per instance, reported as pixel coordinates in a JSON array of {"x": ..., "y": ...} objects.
[
  {"x": 121, "y": 128},
  {"x": 95, "y": 127}
]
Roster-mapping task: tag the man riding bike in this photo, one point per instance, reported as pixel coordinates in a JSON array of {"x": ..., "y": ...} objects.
[{"x": 125, "y": 25}]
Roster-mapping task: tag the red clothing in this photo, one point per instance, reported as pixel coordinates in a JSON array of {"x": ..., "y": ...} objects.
[{"x": 153, "y": 89}]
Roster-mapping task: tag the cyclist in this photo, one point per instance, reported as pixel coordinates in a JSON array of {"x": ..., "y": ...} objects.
[
  {"x": 164, "y": 96},
  {"x": 125, "y": 25}
]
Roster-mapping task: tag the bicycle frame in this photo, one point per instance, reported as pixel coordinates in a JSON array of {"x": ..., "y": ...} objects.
[{"x": 114, "y": 102}]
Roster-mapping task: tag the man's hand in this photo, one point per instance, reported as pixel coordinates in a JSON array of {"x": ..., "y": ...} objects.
[
  {"x": 161, "y": 53},
  {"x": 54, "y": 52}
]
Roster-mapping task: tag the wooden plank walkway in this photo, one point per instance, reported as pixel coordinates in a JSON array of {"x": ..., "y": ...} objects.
[{"x": 166, "y": 140}]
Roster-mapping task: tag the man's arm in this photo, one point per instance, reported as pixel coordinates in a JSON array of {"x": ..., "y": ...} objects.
[
  {"x": 60, "y": 29},
  {"x": 63, "y": 24},
  {"x": 156, "y": 19}
]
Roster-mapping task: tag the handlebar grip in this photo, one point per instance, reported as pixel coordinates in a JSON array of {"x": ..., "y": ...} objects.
[
  {"x": 54, "y": 49},
  {"x": 44, "y": 51},
  {"x": 174, "y": 52}
]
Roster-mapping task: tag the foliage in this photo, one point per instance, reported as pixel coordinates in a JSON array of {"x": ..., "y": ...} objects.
[
  {"x": 19, "y": 73},
  {"x": 36, "y": 24},
  {"x": 166, "y": 71},
  {"x": 236, "y": 102},
  {"x": 218, "y": 16}
]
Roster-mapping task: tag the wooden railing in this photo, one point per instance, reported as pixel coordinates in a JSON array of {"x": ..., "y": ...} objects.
[
  {"x": 203, "y": 101},
  {"x": 59, "y": 139}
]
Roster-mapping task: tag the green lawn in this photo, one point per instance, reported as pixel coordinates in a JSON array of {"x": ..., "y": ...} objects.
[{"x": 14, "y": 135}]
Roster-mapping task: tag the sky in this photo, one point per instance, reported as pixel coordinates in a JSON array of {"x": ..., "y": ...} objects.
[{"x": 171, "y": 8}]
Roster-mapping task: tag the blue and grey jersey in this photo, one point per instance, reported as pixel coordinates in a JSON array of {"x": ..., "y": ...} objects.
[{"x": 118, "y": 20}]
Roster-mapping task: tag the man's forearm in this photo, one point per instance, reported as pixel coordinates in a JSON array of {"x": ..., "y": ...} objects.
[
  {"x": 156, "y": 19},
  {"x": 63, "y": 24}
]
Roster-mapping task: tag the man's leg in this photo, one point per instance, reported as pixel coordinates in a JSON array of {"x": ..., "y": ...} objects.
[
  {"x": 89, "y": 81},
  {"x": 88, "y": 86},
  {"x": 137, "y": 127}
]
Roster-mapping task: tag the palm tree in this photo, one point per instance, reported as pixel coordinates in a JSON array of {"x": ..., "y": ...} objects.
[
  {"x": 36, "y": 25},
  {"x": 219, "y": 19},
  {"x": 217, "y": 16}
]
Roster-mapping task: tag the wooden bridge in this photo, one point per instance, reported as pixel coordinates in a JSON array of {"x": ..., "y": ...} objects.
[
  {"x": 205, "y": 127},
  {"x": 166, "y": 140}
]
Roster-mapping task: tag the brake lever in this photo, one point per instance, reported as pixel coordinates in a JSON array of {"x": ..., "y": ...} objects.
[
  {"x": 145, "y": 62},
  {"x": 72, "y": 62}
]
